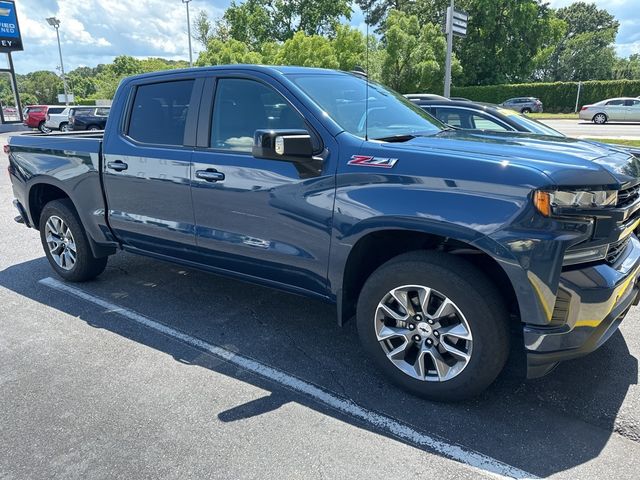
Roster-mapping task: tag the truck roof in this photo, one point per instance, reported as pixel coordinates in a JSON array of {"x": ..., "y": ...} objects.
[{"x": 274, "y": 69}]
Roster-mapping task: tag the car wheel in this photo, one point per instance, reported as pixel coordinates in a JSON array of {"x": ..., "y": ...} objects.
[
  {"x": 43, "y": 128},
  {"x": 600, "y": 119},
  {"x": 66, "y": 245},
  {"x": 64, "y": 127},
  {"x": 526, "y": 110},
  {"x": 93, "y": 128},
  {"x": 434, "y": 324}
]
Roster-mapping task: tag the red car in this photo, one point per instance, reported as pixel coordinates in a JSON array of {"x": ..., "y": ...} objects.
[{"x": 35, "y": 116}]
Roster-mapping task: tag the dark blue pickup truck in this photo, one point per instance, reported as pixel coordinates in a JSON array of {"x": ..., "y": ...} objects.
[{"x": 447, "y": 246}]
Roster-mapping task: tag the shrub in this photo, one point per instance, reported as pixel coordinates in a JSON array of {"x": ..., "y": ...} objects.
[{"x": 559, "y": 97}]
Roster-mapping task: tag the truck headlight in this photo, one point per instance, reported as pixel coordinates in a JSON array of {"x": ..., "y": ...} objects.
[{"x": 546, "y": 201}]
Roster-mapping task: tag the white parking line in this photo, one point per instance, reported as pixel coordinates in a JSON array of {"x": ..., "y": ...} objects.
[{"x": 484, "y": 463}]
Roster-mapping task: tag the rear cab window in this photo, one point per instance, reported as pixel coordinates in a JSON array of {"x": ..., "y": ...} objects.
[{"x": 159, "y": 112}]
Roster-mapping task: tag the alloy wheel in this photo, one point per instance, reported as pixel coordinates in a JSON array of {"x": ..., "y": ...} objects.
[
  {"x": 423, "y": 333},
  {"x": 61, "y": 243}
]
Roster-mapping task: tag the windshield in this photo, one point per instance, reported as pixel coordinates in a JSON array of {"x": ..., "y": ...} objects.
[
  {"x": 530, "y": 124},
  {"x": 343, "y": 98}
]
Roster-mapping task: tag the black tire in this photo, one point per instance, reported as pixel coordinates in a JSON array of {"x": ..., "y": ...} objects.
[
  {"x": 600, "y": 119},
  {"x": 64, "y": 127},
  {"x": 526, "y": 111},
  {"x": 93, "y": 127},
  {"x": 472, "y": 292},
  {"x": 86, "y": 267},
  {"x": 43, "y": 128}
]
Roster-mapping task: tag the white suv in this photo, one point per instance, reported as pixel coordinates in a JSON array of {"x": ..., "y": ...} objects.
[{"x": 58, "y": 118}]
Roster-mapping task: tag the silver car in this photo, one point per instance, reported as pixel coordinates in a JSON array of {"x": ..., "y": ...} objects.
[
  {"x": 623, "y": 109},
  {"x": 524, "y": 104}
]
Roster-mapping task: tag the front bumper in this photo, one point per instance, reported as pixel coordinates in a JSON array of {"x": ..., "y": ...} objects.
[{"x": 595, "y": 300}]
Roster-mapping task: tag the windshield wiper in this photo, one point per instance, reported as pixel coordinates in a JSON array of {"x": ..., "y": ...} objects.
[{"x": 397, "y": 138}]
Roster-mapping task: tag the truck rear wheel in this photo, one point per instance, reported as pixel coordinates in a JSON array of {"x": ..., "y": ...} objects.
[
  {"x": 434, "y": 324},
  {"x": 66, "y": 245}
]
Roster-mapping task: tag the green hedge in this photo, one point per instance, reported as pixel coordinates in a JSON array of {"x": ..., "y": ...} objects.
[{"x": 557, "y": 97}]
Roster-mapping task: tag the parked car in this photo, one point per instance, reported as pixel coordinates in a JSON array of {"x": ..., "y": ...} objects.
[
  {"x": 58, "y": 118},
  {"x": 623, "y": 109},
  {"x": 88, "y": 118},
  {"x": 524, "y": 104},
  {"x": 440, "y": 241},
  {"x": 35, "y": 116},
  {"x": 486, "y": 116},
  {"x": 483, "y": 116}
]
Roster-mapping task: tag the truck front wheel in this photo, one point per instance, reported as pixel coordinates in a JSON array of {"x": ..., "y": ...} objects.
[
  {"x": 434, "y": 324},
  {"x": 66, "y": 245}
]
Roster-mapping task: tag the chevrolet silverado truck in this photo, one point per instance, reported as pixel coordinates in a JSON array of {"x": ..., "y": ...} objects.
[{"x": 450, "y": 248}]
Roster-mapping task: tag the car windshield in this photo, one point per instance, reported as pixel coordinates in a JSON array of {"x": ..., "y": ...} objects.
[
  {"x": 343, "y": 98},
  {"x": 529, "y": 124}
]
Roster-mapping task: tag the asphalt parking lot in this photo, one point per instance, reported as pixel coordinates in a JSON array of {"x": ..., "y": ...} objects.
[{"x": 157, "y": 371}]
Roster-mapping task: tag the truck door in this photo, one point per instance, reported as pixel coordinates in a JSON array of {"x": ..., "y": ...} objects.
[
  {"x": 147, "y": 167},
  {"x": 262, "y": 218}
]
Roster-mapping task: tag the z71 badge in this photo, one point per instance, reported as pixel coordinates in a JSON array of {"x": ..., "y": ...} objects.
[{"x": 366, "y": 161}]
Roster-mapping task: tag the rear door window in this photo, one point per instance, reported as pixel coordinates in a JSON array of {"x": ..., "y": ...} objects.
[
  {"x": 159, "y": 112},
  {"x": 613, "y": 103},
  {"x": 56, "y": 110}
]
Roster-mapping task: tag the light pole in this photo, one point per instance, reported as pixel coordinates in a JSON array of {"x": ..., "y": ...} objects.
[
  {"x": 186, "y": 2},
  {"x": 55, "y": 23}
]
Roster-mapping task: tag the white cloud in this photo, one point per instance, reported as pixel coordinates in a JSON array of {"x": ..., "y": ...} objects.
[{"x": 96, "y": 31}]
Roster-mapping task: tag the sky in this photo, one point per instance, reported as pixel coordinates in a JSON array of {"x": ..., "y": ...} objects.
[{"x": 96, "y": 31}]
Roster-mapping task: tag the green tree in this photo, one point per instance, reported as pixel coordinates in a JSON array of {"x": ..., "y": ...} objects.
[
  {"x": 43, "y": 85},
  {"x": 376, "y": 11},
  {"x": 257, "y": 21},
  {"x": 627, "y": 68},
  {"x": 308, "y": 51},
  {"x": 584, "y": 50},
  {"x": 350, "y": 47},
  {"x": 503, "y": 38},
  {"x": 413, "y": 57},
  {"x": 224, "y": 53}
]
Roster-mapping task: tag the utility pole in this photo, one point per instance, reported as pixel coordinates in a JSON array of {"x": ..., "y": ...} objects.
[
  {"x": 186, "y": 2},
  {"x": 447, "y": 71},
  {"x": 55, "y": 23},
  {"x": 456, "y": 25}
]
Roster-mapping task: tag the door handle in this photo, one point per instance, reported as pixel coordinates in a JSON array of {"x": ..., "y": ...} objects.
[
  {"x": 210, "y": 175},
  {"x": 118, "y": 165}
]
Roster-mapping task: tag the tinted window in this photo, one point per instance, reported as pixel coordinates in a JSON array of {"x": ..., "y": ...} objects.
[
  {"x": 453, "y": 118},
  {"x": 81, "y": 111},
  {"x": 102, "y": 112},
  {"x": 56, "y": 110},
  {"x": 482, "y": 122},
  {"x": 159, "y": 112},
  {"x": 615, "y": 102},
  {"x": 344, "y": 99},
  {"x": 631, "y": 103},
  {"x": 243, "y": 106}
]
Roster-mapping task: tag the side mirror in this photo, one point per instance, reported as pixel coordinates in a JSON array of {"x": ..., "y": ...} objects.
[{"x": 285, "y": 145}]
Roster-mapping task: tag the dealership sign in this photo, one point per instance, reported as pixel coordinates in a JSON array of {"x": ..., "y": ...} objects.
[{"x": 10, "y": 39}]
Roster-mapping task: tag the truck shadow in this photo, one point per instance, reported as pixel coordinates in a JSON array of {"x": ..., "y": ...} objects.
[{"x": 542, "y": 427}]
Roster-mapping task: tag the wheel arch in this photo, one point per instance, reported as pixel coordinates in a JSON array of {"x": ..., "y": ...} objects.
[
  {"x": 376, "y": 247},
  {"x": 46, "y": 191}
]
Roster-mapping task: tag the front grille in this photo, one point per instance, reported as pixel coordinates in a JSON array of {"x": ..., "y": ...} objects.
[
  {"x": 628, "y": 196},
  {"x": 616, "y": 250}
]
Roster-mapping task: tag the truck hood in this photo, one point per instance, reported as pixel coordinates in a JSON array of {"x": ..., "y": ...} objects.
[{"x": 566, "y": 161}]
